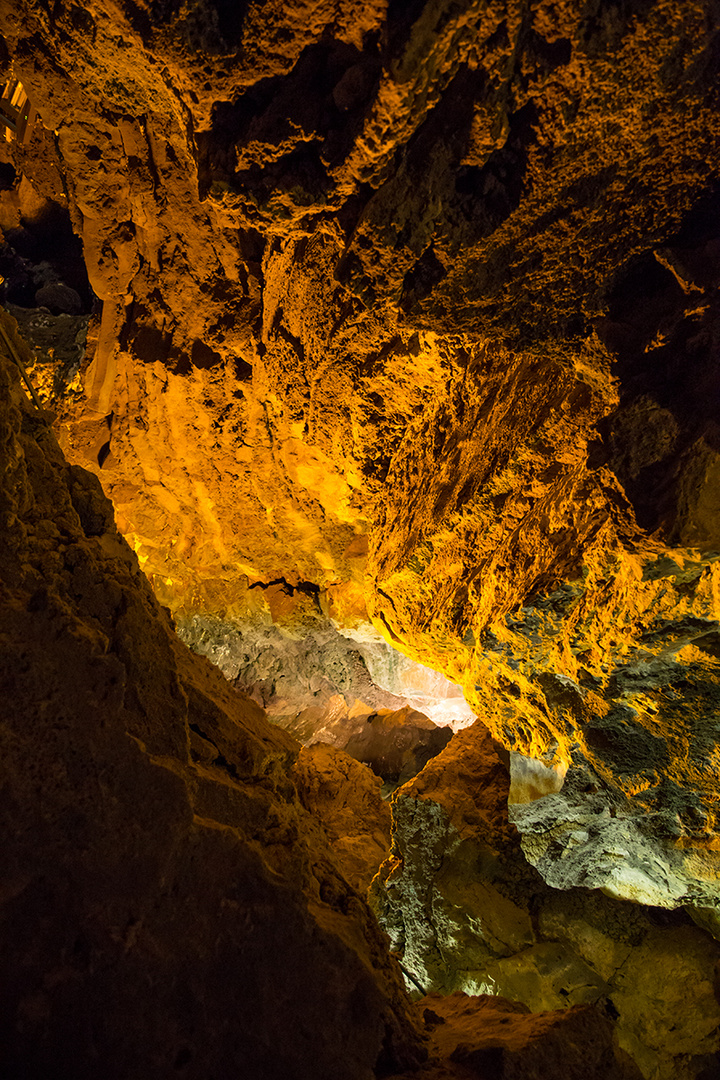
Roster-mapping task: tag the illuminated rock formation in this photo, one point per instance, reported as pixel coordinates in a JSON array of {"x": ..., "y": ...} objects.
[
  {"x": 341, "y": 259},
  {"x": 489, "y": 1037},
  {"x": 468, "y": 913},
  {"x": 171, "y": 902},
  {"x": 159, "y": 873},
  {"x": 408, "y": 315}
]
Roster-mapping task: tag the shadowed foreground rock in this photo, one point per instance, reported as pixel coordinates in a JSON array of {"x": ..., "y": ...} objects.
[
  {"x": 489, "y": 1038},
  {"x": 167, "y": 906},
  {"x": 345, "y": 797}
]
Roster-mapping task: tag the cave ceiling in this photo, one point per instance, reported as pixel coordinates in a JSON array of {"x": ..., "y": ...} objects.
[{"x": 406, "y": 315}]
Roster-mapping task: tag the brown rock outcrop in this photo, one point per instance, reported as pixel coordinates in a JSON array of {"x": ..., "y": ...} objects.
[
  {"x": 489, "y": 1037},
  {"x": 344, "y": 796},
  {"x": 465, "y": 911},
  {"x": 160, "y": 877},
  {"x": 413, "y": 308},
  {"x": 397, "y": 745}
]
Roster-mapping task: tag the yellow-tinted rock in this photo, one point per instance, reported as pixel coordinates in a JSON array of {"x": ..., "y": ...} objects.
[
  {"x": 437, "y": 282},
  {"x": 167, "y": 900},
  {"x": 345, "y": 796},
  {"x": 675, "y": 1010},
  {"x": 483, "y": 1036},
  {"x": 466, "y": 912}
]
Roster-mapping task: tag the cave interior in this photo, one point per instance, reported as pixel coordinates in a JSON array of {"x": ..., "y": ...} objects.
[{"x": 360, "y": 539}]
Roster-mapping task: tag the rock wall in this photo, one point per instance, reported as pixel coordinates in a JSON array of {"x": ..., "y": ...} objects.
[
  {"x": 175, "y": 896},
  {"x": 467, "y": 913},
  {"x": 363, "y": 273},
  {"x": 412, "y": 309},
  {"x": 490, "y": 1037},
  {"x": 168, "y": 905}
]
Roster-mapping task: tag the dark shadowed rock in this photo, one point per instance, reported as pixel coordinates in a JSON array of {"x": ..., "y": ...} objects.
[
  {"x": 168, "y": 905},
  {"x": 397, "y": 745},
  {"x": 59, "y": 299}
]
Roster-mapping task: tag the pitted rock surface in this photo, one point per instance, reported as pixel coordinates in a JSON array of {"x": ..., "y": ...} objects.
[
  {"x": 415, "y": 308},
  {"x": 408, "y": 312},
  {"x": 160, "y": 873},
  {"x": 466, "y": 912}
]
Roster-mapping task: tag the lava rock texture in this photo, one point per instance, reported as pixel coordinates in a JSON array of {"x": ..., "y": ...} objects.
[
  {"x": 414, "y": 307},
  {"x": 168, "y": 906}
]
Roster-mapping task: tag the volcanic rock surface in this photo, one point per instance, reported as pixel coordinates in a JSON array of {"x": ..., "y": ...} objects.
[
  {"x": 159, "y": 872},
  {"x": 172, "y": 903},
  {"x": 405, "y": 313},
  {"x": 466, "y": 911},
  {"x": 490, "y": 1037}
]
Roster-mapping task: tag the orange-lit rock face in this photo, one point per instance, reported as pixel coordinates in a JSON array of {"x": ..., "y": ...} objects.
[
  {"x": 160, "y": 873},
  {"x": 417, "y": 305},
  {"x": 345, "y": 797},
  {"x": 364, "y": 276},
  {"x": 349, "y": 263},
  {"x": 408, "y": 312},
  {"x": 486, "y": 1036}
]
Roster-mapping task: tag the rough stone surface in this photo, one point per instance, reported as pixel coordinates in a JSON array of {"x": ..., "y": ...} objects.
[
  {"x": 320, "y": 686},
  {"x": 309, "y": 677},
  {"x": 415, "y": 306},
  {"x": 412, "y": 309},
  {"x": 344, "y": 796},
  {"x": 489, "y": 1037},
  {"x": 168, "y": 906},
  {"x": 632, "y": 694},
  {"x": 465, "y": 911},
  {"x": 397, "y": 745}
]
